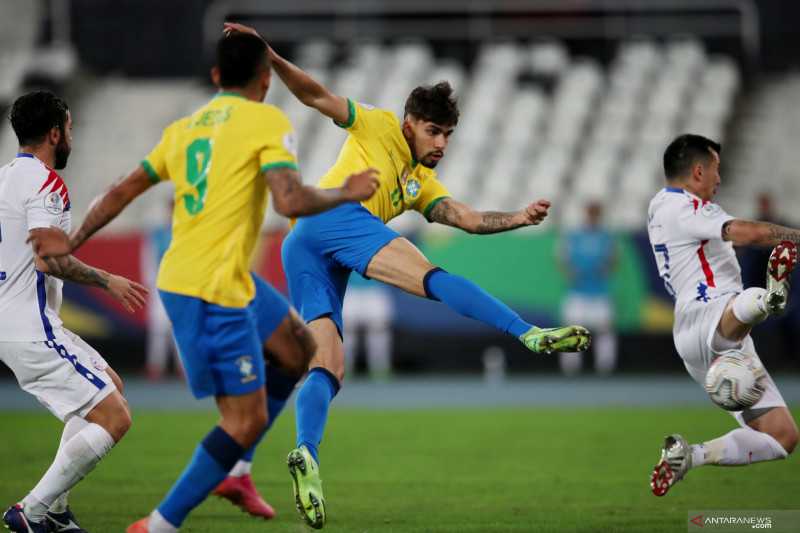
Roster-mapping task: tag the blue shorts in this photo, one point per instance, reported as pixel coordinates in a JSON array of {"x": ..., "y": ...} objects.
[
  {"x": 321, "y": 251},
  {"x": 222, "y": 347}
]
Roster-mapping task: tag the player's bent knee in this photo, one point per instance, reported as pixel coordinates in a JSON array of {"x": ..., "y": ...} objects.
[
  {"x": 252, "y": 427},
  {"x": 113, "y": 415},
  {"x": 789, "y": 441},
  {"x": 116, "y": 379}
]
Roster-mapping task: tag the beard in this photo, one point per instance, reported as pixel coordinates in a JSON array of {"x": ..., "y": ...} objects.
[
  {"x": 62, "y": 154},
  {"x": 429, "y": 162}
]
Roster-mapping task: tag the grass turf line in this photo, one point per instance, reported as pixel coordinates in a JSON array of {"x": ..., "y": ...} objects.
[{"x": 493, "y": 470}]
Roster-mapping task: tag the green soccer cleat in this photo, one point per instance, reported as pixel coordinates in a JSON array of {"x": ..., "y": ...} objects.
[
  {"x": 563, "y": 339},
  {"x": 307, "y": 487}
]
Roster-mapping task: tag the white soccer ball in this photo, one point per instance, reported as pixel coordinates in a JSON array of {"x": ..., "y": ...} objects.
[{"x": 735, "y": 381}]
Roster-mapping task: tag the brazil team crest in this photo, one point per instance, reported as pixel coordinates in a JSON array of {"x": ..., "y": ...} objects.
[
  {"x": 412, "y": 188},
  {"x": 245, "y": 364}
]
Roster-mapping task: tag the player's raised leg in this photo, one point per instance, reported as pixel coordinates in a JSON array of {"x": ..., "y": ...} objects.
[
  {"x": 401, "y": 264},
  {"x": 768, "y": 430}
]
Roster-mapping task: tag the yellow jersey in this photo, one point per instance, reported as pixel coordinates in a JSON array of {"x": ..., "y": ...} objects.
[
  {"x": 216, "y": 158},
  {"x": 375, "y": 139}
]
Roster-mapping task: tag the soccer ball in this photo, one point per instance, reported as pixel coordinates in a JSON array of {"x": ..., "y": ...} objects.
[{"x": 735, "y": 381}]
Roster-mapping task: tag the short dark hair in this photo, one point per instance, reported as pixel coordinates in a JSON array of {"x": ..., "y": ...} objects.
[
  {"x": 34, "y": 114},
  {"x": 239, "y": 57},
  {"x": 433, "y": 103},
  {"x": 685, "y": 151}
]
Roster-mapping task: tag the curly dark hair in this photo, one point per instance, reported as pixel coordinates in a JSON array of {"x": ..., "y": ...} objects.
[
  {"x": 34, "y": 114},
  {"x": 433, "y": 103}
]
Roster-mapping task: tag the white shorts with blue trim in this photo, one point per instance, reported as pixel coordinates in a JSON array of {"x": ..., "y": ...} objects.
[
  {"x": 65, "y": 374},
  {"x": 693, "y": 331}
]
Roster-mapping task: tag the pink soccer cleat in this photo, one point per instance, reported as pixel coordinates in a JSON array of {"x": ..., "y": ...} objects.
[
  {"x": 241, "y": 492},
  {"x": 140, "y": 526}
]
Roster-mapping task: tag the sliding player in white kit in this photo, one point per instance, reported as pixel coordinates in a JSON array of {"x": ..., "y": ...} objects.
[
  {"x": 693, "y": 240},
  {"x": 63, "y": 372}
]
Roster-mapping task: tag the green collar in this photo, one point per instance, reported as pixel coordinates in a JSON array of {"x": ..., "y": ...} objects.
[{"x": 229, "y": 93}]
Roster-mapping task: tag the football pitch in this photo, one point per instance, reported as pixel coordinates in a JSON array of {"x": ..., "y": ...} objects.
[{"x": 423, "y": 470}]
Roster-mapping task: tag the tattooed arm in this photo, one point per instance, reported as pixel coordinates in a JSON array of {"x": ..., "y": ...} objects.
[
  {"x": 752, "y": 232},
  {"x": 72, "y": 269},
  {"x": 453, "y": 213},
  {"x": 110, "y": 203},
  {"x": 130, "y": 294},
  {"x": 293, "y": 199}
]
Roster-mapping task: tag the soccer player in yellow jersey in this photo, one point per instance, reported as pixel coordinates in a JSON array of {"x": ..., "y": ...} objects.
[
  {"x": 223, "y": 160},
  {"x": 321, "y": 251}
]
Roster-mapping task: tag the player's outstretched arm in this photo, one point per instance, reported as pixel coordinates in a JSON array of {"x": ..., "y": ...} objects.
[
  {"x": 453, "y": 213},
  {"x": 130, "y": 294},
  {"x": 293, "y": 199},
  {"x": 753, "y": 232},
  {"x": 53, "y": 242},
  {"x": 304, "y": 87},
  {"x": 110, "y": 203}
]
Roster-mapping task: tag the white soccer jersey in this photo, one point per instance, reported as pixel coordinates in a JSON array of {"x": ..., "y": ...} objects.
[
  {"x": 31, "y": 196},
  {"x": 694, "y": 261}
]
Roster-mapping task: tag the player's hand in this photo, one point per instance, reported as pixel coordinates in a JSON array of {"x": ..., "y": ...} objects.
[
  {"x": 49, "y": 242},
  {"x": 129, "y": 293},
  {"x": 231, "y": 27},
  {"x": 361, "y": 186},
  {"x": 536, "y": 212}
]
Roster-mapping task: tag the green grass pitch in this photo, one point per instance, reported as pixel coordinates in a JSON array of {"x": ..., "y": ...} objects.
[{"x": 455, "y": 470}]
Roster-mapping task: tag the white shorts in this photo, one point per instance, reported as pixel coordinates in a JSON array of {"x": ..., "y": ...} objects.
[
  {"x": 66, "y": 375},
  {"x": 693, "y": 332},
  {"x": 593, "y": 312}
]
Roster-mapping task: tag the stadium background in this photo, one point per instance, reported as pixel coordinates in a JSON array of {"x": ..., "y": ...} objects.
[
  {"x": 571, "y": 101},
  {"x": 559, "y": 100}
]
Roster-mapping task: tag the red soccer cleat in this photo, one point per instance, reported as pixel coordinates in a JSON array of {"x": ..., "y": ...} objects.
[
  {"x": 661, "y": 479},
  {"x": 241, "y": 492},
  {"x": 140, "y": 526}
]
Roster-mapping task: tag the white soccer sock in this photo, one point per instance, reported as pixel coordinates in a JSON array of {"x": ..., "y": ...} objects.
[
  {"x": 241, "y": 468},
  {"x": 570, "y": 363},
  {"x": 749, "y": 307},
  {"x": 741, "y": 446},
  {"x": 159, "y": 524},
  {"x": 605, "y": 352},
  {"x": 71, "y": 428},
  {"x": 73, "y": 461}
]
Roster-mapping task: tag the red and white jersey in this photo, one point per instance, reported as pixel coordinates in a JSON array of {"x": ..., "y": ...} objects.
[
  {"x": 32, "y": 195},
  {"x": 694, "y": 261}
]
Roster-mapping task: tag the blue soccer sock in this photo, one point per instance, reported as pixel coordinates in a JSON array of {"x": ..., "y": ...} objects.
[
  {"x": 466, "y": 298},
  {"x": 313, "y": 401},
  {"x": 279, "y": 388},
  {"x": 210, "y": 463}
]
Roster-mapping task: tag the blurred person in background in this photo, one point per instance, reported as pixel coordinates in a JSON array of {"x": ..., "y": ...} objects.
[
  {"x": 753, "y": 260},
  {"x": 367, "y": 313},
  {"x": 160, "y": 343},
  {"x": 588, "y": 257}
]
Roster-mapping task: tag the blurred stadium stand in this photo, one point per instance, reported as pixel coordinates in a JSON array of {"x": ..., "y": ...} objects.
[{"x": 573, "y": 103}]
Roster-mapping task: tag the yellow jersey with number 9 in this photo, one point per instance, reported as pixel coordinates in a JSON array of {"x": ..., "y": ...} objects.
[
  {"x": 216, "y": 158},
  {"x": 376, "y": 140}
]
